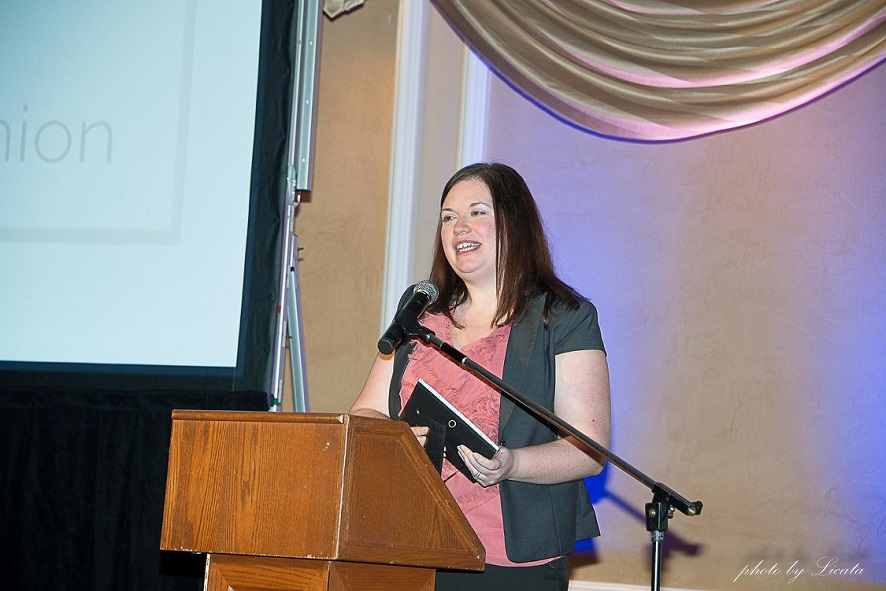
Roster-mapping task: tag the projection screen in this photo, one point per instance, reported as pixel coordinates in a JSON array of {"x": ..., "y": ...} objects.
[{"x": 142, "y": 166}]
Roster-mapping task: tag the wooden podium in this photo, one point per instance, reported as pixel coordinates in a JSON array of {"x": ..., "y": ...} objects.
[{"x": 310, "y": 502}]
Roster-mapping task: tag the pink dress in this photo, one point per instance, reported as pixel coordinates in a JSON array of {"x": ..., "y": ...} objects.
[{"x": 480, "y": 403}]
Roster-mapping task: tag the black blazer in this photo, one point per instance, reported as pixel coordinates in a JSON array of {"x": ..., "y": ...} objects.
[{"x": 540, "y": 521}]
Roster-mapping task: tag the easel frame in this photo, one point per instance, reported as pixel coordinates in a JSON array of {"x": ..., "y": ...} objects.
[{"x": 289, "y": 329}]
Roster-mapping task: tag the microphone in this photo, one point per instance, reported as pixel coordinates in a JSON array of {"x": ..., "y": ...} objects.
[{"x": 423, "y": 295}]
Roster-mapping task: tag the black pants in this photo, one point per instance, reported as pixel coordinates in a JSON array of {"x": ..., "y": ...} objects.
[{"x": 553, "y": 576}]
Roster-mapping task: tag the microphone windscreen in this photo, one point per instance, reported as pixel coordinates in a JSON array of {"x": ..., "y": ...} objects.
[{"x": 428, "y": 288}]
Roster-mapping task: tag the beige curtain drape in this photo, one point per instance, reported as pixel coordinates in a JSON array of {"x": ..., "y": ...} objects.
[
  {"x": 667, "y": 70},
  {"x": 333, "y": 8}
]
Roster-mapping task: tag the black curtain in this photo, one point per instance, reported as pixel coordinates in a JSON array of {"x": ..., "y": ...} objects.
[{"x": 83, "y": 481}]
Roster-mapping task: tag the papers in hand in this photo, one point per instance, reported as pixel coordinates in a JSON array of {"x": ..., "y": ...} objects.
[{"x": 449, "y": 428}]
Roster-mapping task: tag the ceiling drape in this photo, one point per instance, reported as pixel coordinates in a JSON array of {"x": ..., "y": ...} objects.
[
  {"x": 333, "y": 8},
  {"x": 658, "y": 70}
]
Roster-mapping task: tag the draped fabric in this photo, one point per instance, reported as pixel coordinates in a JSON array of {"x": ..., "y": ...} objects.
[
  {"x": 661, "y": 70},
  {"x": 333, "y": 8},
  {"x": 83, "y": 480}
]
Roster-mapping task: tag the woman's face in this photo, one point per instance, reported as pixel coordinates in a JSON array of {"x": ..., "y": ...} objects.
[{"x": 467, "y": 232}]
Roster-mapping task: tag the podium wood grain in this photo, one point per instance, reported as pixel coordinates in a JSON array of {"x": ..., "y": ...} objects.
[
  {"x": 352, "y": 498},
  {"x": 247, "y": 573}
]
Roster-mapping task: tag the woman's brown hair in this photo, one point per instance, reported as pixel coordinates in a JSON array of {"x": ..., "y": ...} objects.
[{"x": 524, "y": 264}]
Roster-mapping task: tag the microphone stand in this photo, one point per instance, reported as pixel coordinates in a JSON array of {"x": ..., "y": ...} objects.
[{"x": 664, "y": 499}]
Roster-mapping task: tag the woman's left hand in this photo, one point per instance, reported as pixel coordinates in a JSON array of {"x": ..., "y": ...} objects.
[{"x": 487, "y": 472}]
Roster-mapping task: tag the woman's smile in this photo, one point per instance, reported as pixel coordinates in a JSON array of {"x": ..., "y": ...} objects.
[{"x": 467, "y": 231}]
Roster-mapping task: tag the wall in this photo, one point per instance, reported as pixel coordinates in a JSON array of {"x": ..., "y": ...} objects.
[
  {"x": 739, "y": 279},
  {"x": 342, "y": 228}
]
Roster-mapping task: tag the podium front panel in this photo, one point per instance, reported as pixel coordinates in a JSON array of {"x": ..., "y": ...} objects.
[{"x": 245, "y": 484}]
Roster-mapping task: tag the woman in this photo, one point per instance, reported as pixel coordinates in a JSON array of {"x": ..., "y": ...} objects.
[{"x": 502, "y": 305}]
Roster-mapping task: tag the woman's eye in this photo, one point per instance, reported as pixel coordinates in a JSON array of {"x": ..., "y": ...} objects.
[{"x": 447, "y": 218}]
